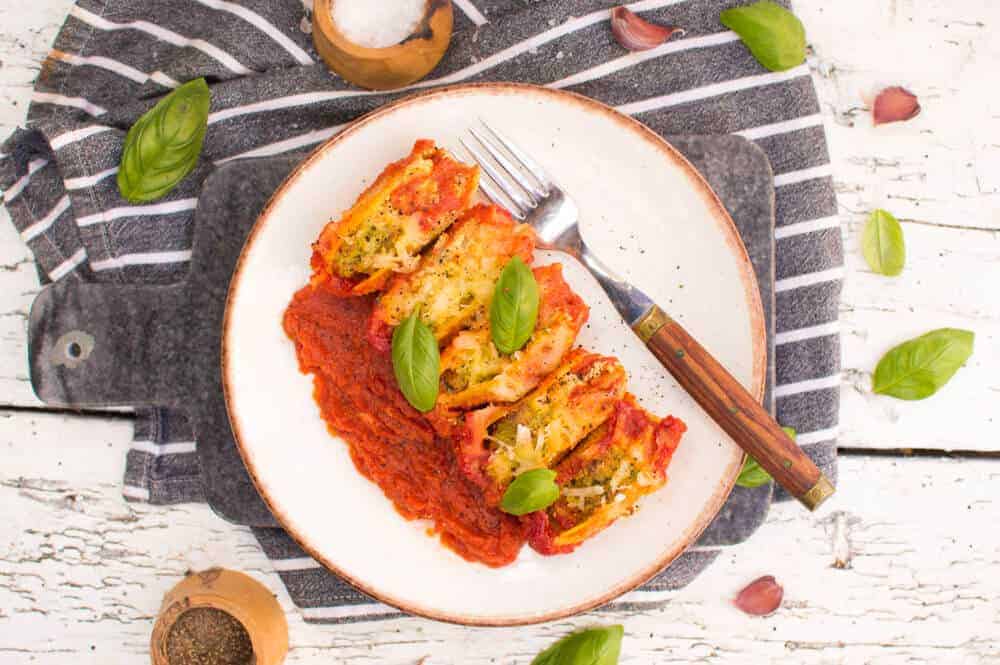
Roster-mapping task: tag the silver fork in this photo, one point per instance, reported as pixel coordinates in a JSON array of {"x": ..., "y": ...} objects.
[{"x": 515, "y": 181}]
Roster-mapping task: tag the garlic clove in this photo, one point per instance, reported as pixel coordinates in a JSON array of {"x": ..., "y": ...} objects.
[
  {"x": 638, "y": 34},
  {"x": 760, "y": 597},
  {"x": 895, "y": 104}
]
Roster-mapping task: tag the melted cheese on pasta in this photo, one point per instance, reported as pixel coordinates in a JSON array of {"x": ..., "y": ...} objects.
[
  {"x": 564, "y": 409},
  {"x": 455, "y": 280},
  {"x": 474, "y": 372},
  {"x": 405, "y": 209},
  {"x": 606, "y": 475}
]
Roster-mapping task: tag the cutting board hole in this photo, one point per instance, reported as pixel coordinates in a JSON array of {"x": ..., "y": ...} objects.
[{"x": 72, "y": 349}]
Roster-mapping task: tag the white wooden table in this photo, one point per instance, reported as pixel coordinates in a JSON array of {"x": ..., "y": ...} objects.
[{"x": 900, "y": 567}]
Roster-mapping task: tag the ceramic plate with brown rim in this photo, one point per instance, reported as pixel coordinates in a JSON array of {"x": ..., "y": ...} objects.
[{"x": 644, "y": 210}]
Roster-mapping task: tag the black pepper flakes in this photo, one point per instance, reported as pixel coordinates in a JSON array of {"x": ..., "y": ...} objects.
[{"x": 208, "y": 636}]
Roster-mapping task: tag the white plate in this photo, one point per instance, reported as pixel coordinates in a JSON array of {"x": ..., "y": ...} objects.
[{"x": 643, "y": 209}]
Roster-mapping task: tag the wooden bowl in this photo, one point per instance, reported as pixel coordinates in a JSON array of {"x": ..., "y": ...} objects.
[
  {"x": 391, "y": 66},
  {"x": 240, "y": 596}
]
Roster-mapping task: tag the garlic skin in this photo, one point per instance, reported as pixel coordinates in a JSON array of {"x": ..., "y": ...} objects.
[
  {"x": 895, "y": 104},
  {"x": 638, "y": 34},
  {"x": 761, "y": 597}
]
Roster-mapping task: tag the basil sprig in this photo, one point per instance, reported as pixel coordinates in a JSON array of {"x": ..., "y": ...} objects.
[
  {"x": 514, "y": 308},
  {"x": 753, "y": 474},
  {"x": 883, "y": 245},
  {"x": 416, "y": 362},
  {"x": 532, "y": 490},
  {"x": 772, "y": 33},
  {"x": 594, "y": 646},
  {"x": 918, "y": 368},
  {"x": 164, "y": 144}
]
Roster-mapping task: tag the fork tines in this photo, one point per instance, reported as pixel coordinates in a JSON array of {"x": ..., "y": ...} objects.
[{"x": 509, "y": 170}]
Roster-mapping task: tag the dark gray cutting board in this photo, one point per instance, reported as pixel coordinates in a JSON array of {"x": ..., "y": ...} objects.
[{"x": 160, "y": 345}]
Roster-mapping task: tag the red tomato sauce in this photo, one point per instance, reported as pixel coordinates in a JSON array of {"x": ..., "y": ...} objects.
[{"x": 391, "y": 443}]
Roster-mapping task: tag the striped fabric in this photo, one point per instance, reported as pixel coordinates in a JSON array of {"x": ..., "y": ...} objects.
[{"x": 272, "y": 96}]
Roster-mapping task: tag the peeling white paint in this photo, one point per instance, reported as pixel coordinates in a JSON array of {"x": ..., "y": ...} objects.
[{"x": 899, "y": 568}]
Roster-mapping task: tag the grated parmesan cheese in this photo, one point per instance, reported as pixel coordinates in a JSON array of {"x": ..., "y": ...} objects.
[
  {"x": 377, "y": 23},
  {"x": 620, "y": 475},
  {"x": 592, "y": 490},
  {"x": 540, "y": 442},
  {"x": 505, "y": 447},
  {"x": 523, "y": 436}
]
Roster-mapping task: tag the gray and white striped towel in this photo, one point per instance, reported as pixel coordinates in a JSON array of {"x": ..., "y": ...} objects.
[{"x": 271, "y": 95}]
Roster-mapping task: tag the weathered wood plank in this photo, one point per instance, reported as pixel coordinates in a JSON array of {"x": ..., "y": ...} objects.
[
  {"x": 18, "y": 286},
  {"x": 26, "y": 33},
  {"x": 896, "y": 569},
  {"x": 950, "y": 281},
  {"x": 940, "y": 168},
  {"x": 81, "y": 572},
  {"x": 939, "y": 175}
]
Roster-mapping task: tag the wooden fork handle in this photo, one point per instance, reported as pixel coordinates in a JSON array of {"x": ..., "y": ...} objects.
[{"x": 730, "y": 405}]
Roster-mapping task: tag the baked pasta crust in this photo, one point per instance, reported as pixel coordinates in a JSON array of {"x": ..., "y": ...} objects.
[
  {"x": 474, "y": 372},
  {"x": 454, "y": 280},
  {"x": 500, "y": 442},
  {"x": 410, "y": 203},
  {"x": 605, "y": 476}
]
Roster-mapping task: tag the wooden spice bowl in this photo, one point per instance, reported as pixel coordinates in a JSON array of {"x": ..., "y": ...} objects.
[
  {"x": 389, "y": 67},
  {"x": 240, "y": 596}
]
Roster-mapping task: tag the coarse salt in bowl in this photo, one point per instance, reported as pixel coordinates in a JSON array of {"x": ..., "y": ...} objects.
[
  {"x": 382, "y": 44},
  {"x": 377, "y": 23}
]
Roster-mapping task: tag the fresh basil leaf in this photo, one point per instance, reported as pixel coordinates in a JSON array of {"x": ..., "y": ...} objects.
[
  {"x": 772, "y": 33},
  {"x": 416, "y": 362},
  {"x": 753, "y": 474},
  {"x": 164, "y": 144},
  {"x": 594, "y": 646},
  {"x": 514, "y": 308},
  {"x": 918, "y": 368},
  {"x": 882, "y": 243},
  {"x": 530, "y": 491}
]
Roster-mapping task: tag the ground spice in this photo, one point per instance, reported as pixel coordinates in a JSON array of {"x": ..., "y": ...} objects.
[{"x": 208, "y": 636}]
